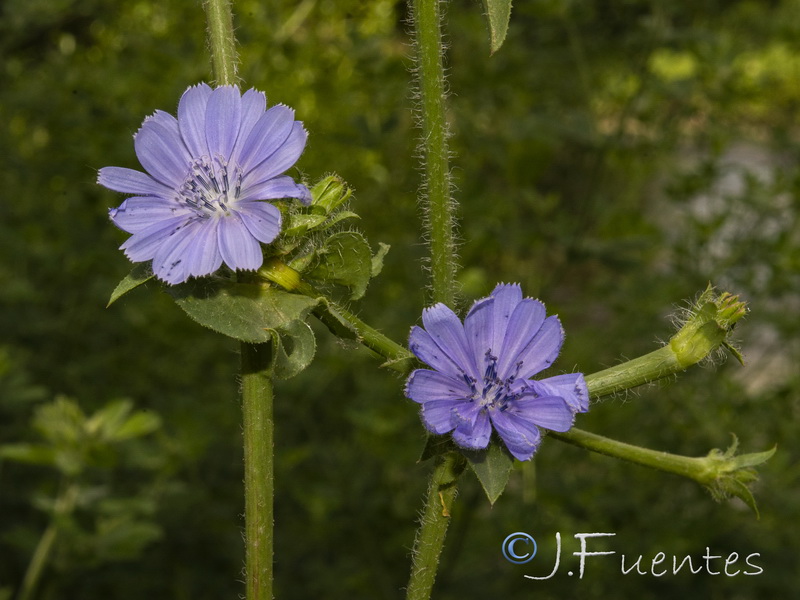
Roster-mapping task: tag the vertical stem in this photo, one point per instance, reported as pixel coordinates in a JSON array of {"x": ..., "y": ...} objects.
[
  {"x": 437, "y": 202},
  {"x": 440, "y": 225},
  {"x": 258, "y": 427},
  {"x": 221, "y": 41},
  {"x": 257, "y": 360},
  {"x": 435, "y": 519}
]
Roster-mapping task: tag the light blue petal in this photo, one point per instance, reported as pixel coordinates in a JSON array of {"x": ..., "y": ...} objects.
[
  {"x": 267, "y": 135},
  {"x": 446, "y": 329},
  {"x": 520, "y": 437},
  {"x": 203, "y": 256},
  {"x": 192, "y": 119},
  {"x": 144, "y": 244},
  {"x": 275, "y": 188},
  {"x": 161, "y": 151},
  {"x": 223, "y": 119},
  {"x": 139, "y": 212},
  {"x": 550, "y": 412},
  {"x": 129, "y": 181},
  {"x": 425, "y": 349},
  {"x": 474, "y": 435},
  {"x": 425, "y": 385},
  {"x": 254, "y": 104},
  {"x": 437, "y": 415},
  {"x": 282, "y": 158},
  {"x": 506, "y": 298},
  {"x": 169, "y": 263},
  {"x": 239, "y": 248},
  {"x": 523, "y": 325},
  {"x": 479, "y": 330},
  {"x": 263, "y": 220},
  {"x": 543, "y": 349},
  {"x": 571, "y": 387}
]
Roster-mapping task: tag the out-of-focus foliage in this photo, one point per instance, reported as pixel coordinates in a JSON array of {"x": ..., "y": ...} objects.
[{"x": 614, "y": 156}]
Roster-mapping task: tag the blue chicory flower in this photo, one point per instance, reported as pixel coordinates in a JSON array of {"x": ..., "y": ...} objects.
[
  {"x": 199, "y": 204},
  {"x": 481, "y": 371}
]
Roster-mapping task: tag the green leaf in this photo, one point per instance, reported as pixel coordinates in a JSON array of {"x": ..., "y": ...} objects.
[
  {"x": 243, "y": 311},
  {"x": 109, "y": 419},
  {"x": 338, "y": 217},
  {"x": 492, "y": 466},
  {"x": 299, "y": 223},
  {"x": 295, "y": 349},
  {"x": 345, "y": 260},
  {"x": 437, "y": 445},
  {"x": 137, "y": 425},
  {"x": 141, "y": 273},
  {"x": 330, "y": 193},
  {"x": 33, "y": 454},
  {"x": 498, "y": 13},
  {"x": 377, "y": 260}
]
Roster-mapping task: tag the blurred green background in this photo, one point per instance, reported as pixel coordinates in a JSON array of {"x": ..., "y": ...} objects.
[{"x": 614, "y": 157}]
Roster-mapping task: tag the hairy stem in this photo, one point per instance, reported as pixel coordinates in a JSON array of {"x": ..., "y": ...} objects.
[
  {"x": 434, "y": 521},
  {"x": 256, "y": 373},
  {"x": 437, "y": 201},
  {"x": 257, "y": 400},
  {"x": 221, "y": 40}
]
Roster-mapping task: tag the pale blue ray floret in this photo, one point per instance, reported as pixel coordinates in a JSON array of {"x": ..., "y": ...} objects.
[
  {"x": 480, "y": 373},
  {"x": 201, "y": 201}
]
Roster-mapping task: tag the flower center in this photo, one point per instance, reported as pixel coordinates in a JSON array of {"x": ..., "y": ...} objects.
[
  {"x": 492, "y": 392},
  {"x": 211, "y": 187}
]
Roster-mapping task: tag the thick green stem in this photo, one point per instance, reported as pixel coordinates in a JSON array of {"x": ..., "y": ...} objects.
[
  {"x": 630, "y": 374},
  {"x": 437, "y": 201},
  {"x": 257, "y": 364},
  {"x": 258, "y": 427},
  {"x": 221, "y": 40},
  {"x": 707, "y": 329},
  {"x": 435, "y": 519},
  {"x": 693, "y": 468}
]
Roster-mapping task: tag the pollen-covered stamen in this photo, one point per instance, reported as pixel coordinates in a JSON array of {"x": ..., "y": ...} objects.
[
  {"x": 207, "y": 188},
  {"x": 495, "y": 393}
]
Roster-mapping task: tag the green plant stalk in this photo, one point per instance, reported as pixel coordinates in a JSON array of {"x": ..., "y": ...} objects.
[
  {"x": 440, "y": 223},
  {"x": 442, "y": 491},
  {"x": 257, "y": 402},
  {"x": 710, "y": 321},
  {"x": 221, "y": 40},
  {"x": 63, "y": 507},
  {"x": 691, "y": 467},
  {"x": 397, "y": 357},
  {"x": 256, "y": 369},
  {"x": 437, "y": 200},
  {"x": 724, "y": 474}
]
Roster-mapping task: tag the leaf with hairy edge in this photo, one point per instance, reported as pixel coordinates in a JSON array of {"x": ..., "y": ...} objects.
[
  {"x": 141, "y": 273},
  {"x": 295, "y": 348},
  {"x": 498, "y": 12},
  {"x": 377, "y": 260},
  {"x": 345, "y": 260},
  {"x": 437, "y": 445},
  {"x": 242, "y": 311},
  {"x": 492, "y": 466}
]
